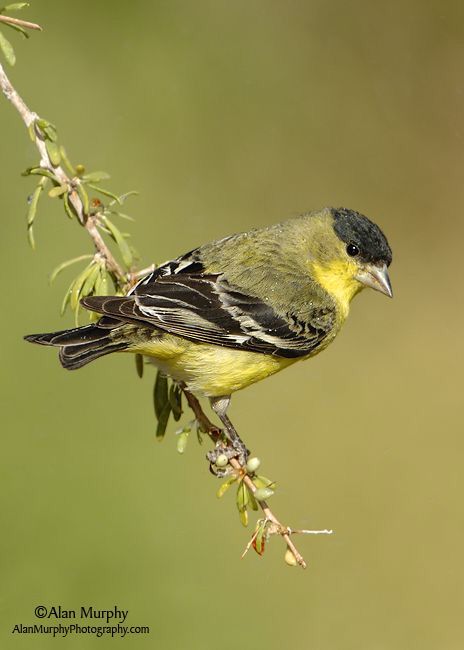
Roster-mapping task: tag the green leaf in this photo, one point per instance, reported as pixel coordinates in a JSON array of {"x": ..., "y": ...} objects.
[
  {"x": 77, "y": 287},
  {"x": 7, "y": 50},
  {"x": 67, "y": 162},
  {"x": 111, "y": 195},
  {"x": 96, "y": 177},
  {"x": 243, "y": 514},
  {"x": 58, "y": 190},
  {"x": 161, "y": 403},
  {"x": 123, "y": 246},
  {"x": 160, "y": 393},
  {"x": 261, "y": 537},
  {"x": 31, "y": 131},
  {"x": 15, "y": 6},
  {"x": 243, "y": 499},
  {"x": 139, "y": 364},
  {"x": 53, "y": 151},
  {"x": 51, "y": 134},
  {"x": 64, "y": 265},
  {"x": 89, "y": 284},
  {"x": 38, "y": 171},
  {"x": 122, "y": 215},
  {"x": 253, "y": 502},
  {"x": 84, "y": 197},
  {"x": 175, "y": 399},
  {"x": 263, "y": 482},
  {"x": 32, "y": 211},
  {"x": 122, "y": 197},
  {"x": 68, "y": 207},
  {"x": 163, "y": 421},
  {"x": 66, "y": 299},
  {"x": 19, "y": 29},
  {"x": 225, "y": 486},
  {"x": 101, "y": 286}
]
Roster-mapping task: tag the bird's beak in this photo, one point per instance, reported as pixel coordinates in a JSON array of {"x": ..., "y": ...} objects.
[{"x": 377, "y": 278}]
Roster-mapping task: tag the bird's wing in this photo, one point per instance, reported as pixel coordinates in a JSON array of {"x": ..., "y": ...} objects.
[{"x": 180, "y": 298}]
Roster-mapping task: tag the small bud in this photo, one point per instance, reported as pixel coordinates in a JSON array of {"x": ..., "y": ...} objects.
[
  {"x": 221, "y": 460},
  {"x": 253, "y": 464},
  {"x": 263, "y": 493},
  {"x": 290, "y": 559},
  {"x": 182, "y": 442},
  {"x": 80, "y": 170}
]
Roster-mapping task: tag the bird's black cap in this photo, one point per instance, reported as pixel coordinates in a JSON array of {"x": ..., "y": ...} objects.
[{"x": 354, "y": 228}]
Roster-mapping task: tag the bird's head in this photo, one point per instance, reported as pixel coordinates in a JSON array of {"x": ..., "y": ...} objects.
[{"x": 349, "y": 252}]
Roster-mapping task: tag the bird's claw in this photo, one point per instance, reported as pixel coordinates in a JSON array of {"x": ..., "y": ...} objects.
[{"x": 234, "y": 449}]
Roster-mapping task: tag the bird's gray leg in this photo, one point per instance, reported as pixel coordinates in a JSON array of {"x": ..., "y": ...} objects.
[{"x": 220, "y": 406}]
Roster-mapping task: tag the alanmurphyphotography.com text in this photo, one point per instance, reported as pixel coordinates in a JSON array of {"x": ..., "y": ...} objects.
[{"x": 99, "y": 622}]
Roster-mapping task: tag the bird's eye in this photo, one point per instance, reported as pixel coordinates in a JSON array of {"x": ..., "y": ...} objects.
[{"x": 352, "y": 250}]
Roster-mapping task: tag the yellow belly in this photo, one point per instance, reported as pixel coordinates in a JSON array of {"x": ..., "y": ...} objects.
[{"x": 209, "y": 370}]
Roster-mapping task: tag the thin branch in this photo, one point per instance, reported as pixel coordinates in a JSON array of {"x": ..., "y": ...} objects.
[
  {"x": 86, "y": 220},
  {"x": 214, "y": 433},
  {"x": 8, "y": 20}
]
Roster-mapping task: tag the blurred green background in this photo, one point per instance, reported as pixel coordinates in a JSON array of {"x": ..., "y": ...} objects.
[{"x": 226, "y": 116}]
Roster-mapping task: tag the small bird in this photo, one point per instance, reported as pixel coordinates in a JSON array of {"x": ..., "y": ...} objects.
[{"x": 239, "y": 309}]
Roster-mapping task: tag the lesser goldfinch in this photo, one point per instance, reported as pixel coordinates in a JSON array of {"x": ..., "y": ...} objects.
[{"x": 239, "y": 309}]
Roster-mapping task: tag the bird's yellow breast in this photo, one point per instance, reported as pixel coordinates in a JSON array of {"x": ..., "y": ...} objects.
[{"x": 209, "y": 370}]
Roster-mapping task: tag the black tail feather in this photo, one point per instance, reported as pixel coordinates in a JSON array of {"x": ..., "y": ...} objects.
[{"x": 80, "y": 345}]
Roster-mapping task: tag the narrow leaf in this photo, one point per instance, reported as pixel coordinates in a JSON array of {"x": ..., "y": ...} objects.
[
  {"x": 175, "y": 399},
  {"x": 121, "y": 242},
  {"x": 260, "y": 539},
  {"x": 122, "y": 215},
  {"x": 64, "y": 265},
  {"x": 96, "y": 177},
  {"x": 7, "y": 50},
  {"x": 253, "y": 502},
  {"x": 160, "y": 394},
  {"x": 77, "y": 287},
  {"x": 101, "y": 286},
  {"x": 67, "y": 162},
  {"x": 68, "y": 207},
  {"x": 38, "y": 171},
  {"x": 32, "y": 211},
  {"x": 66, "y": 299},
  {"x": 139, "y": 364},
  {"x": 89, "y": 284},
  {"x": 225, "y": 486},
  {"x": 57, "y": 191},
  {"x": 126, "y": 195},
  {"x": 111, "y": 195},
  {"x": 53, "y": 151},
  {"x": 19, "y": 29},
  {"x": 84, "y": 197},
  {"x": 31, "y": 131},
  {"x": 50, "y": 133},
  {"x": 163, "y": 421},
  {"x": 15, "y": 6}
]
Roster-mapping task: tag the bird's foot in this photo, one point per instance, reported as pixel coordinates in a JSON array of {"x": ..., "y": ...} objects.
[
  {"x": 241, "y": 450},
  {"x": 220, "y": 456}
]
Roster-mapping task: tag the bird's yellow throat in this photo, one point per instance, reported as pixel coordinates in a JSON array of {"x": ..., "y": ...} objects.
[{"x": 337, "y": 278}]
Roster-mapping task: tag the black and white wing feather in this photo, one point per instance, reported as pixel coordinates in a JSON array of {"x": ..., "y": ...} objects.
[{"x": 182, "y": 299}]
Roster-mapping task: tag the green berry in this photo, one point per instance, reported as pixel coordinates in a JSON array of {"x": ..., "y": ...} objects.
[{"x": 221, "y": 460}]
